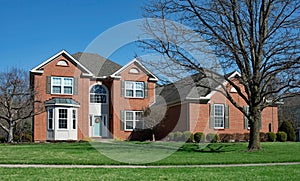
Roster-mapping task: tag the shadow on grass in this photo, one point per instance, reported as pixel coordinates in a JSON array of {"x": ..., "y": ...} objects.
[{"x": 208, "y": 148}]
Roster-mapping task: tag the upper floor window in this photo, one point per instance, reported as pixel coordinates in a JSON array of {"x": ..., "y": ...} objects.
[
  {"x": 61, "y": 85},
  {"x": 98, "y": 94},
  {"x": 134, "y": 89}
]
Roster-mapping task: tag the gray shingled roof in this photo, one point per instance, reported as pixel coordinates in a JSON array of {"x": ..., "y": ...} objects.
[
  {"x": 97, "y": 64},
  {"x": 57, "y": 100},
  {"x": 192, "y": 87}
]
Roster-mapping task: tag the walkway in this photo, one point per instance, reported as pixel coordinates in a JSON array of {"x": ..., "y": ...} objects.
[{"x": 143, "y": 166}]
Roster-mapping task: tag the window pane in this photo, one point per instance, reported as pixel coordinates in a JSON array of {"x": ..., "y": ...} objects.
[
  {"x": 219, "y": 110},
  {"x": 139, "y": 85},
  {"x": 50, "y": 119},
  {"x": 139, "y": 93},
  {"x": 129, "y": 85},
  {"x": 129, "y": 115},
  {"x": 74, "y": 119},
  {"x": 56, "y": 81},
  {"x": 67, "y": 90},
  {"x": 219, "y": 122},
  {"x": 138, "y": 115},
  {"x": 56, "y": 90},
  {"x": 129, "y": 93},
  {"x": 129, "y": 125},
  {"x": 62, "y": 118},
  {"x": 139, "y": 124},
  {"x": 68, "y": 81}
]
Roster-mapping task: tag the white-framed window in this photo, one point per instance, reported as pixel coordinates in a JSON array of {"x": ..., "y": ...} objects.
[
  {"x": 134, "y": 120},
  {"x": 246, "y": 108},
  {"x": 134, "y": 89},
  {"x": 98, "y": 94},
  {"x": 62, "y": 118},
  {"x": 50, "y": 117},
  {"x": 61, "y": 85},
  {"x": 219, "y": 116},
  {"x": 74, "y": 118}
]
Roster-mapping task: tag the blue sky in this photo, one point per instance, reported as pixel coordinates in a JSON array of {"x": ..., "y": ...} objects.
[{"x": 34, "y": 30}]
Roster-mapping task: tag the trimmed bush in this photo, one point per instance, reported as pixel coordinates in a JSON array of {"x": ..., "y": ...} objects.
[
  {"x": 271, "y": 137},
  {"x": 178, "y": 136},
  {"x": 246, "y": 136},
  {"x": 281, "y": 136},
  {"x": 237, "y": 137},
  {"x": 199, "y": 137},
  {"x": 263, "y": 137},
  {"x": 225, "y": 137},
  {"x": 287, "y": 127},
  {"x": 171, "y": 136},
  {"x": 212, "y": 138},
  {"x": 188, "y": 136}
]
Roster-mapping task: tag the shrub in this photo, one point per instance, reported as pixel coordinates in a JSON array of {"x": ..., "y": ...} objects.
[
  {"x": 178, "y": 136},
  {"x": 171, "y": 136},
  {"x": 287, "y": 127},
  {"x": 27, "y": 137},
  {"x": 16, "y": 138},
  {"x": 2, "y": 139},
  {"x": 281, "y": 136},
  {"x": 225, "y": 137},
  {"x": 213, "y": 138},
  {"x": 271, "y": 136},
  {"x": 237, "y": 137},
  {"x": 199, "y": 137},
  {"x": 188, "y": 136},
  {"x": 263, "y": 137},
  {"x": 246, "y": 136}
]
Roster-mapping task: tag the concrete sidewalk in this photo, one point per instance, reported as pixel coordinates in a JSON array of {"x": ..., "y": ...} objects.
[{"x": 143, "y": 166}]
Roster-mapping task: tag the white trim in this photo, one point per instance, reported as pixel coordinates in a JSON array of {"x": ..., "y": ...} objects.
[
  {"x": 208, "y": 96},
  {"x": 116, "y": 74},
  {"x": 62, "y": 85},
  {"x": 35, "y": 69},
  {"x": 223, "y": 116},
  {"x": 107, "y": 94},
  {"x": 134, "y": 120},
  {"x": 134, "y": 89}
]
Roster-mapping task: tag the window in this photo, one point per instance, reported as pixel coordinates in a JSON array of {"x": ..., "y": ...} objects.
[
  {"x": 219, "y": 115},
  {"x": 247, "y": 122},
  {"x": 62, "y": 85},
  {"x": 98, "y": 94},
  {"x": 134, "y": 89},
  {"x": 50, "y": 119},
  {"x": 134, "y": 120},
  {"x": 63, "y": 118},
  {"x": 74, "y": 118}
]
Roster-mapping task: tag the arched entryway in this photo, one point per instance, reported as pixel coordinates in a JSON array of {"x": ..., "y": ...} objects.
[{"x": 99, "y": 111}]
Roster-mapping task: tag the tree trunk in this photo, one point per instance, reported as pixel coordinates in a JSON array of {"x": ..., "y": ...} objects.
[
  {"x": 10, "y": 134},
  {"x": 255, "y": 120}
]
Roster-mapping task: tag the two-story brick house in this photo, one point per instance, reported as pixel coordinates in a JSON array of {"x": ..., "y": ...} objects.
[{"x": 87, "y": 96}]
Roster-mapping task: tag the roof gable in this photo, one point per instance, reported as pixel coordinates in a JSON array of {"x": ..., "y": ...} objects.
[
  {"x": 40, "y": 67},
  {"x": 137, "y": 63}
]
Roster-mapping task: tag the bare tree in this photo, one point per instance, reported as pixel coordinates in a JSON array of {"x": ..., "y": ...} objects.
[
  {"x": 16, "y": 100},
  {"x": 259, "y": 38}
]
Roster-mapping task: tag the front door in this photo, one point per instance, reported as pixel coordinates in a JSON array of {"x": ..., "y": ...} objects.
[{"x": 100, "y": 127}]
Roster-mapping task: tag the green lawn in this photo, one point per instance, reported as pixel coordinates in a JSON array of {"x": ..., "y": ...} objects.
[
  {"x": 291, "y": 172},
  {"x": 140, "y": 153}
]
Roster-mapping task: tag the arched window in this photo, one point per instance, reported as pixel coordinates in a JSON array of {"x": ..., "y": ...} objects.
[{"x": 98, "y": 94}]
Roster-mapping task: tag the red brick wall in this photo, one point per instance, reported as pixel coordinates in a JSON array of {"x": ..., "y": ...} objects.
[
  {"x": 122, "y": 103},
  {"x": 51, "y": 69}
]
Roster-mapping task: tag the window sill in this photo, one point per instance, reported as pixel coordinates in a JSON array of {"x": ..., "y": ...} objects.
[{"x": 219, "y": 128}]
